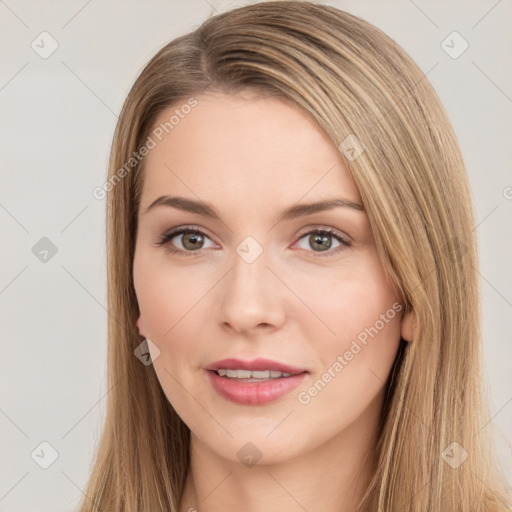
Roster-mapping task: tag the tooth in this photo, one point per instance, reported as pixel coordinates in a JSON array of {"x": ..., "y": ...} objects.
[
  {"x": 241, "y": 374},
  {"x": 260, "y": 374},
  {"x": 248, "y": 374}
]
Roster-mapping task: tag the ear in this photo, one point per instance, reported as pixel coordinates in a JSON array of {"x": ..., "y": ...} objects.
[
  {"x": 408, "y": 325},
  {"x": 140, "y": 325}
]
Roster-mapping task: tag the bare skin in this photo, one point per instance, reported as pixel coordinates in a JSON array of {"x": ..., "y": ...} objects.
[{"x": 303, "y": 301}]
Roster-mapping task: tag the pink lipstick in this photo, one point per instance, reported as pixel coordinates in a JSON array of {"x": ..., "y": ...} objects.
[{"x": 255, "y": 382}]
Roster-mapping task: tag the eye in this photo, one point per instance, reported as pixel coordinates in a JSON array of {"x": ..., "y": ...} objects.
[
  {"x": 322, "y": 240},
  {"x": 192, "y": 241}
]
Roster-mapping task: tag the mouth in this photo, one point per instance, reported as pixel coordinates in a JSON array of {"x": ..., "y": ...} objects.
[{"x": 259, "y": 387}]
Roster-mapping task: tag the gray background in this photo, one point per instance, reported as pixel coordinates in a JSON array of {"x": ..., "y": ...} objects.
[{"x": 57, "y": 120}]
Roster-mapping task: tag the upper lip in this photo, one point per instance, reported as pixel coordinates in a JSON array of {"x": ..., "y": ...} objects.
[{"x": 260, "y": 364}]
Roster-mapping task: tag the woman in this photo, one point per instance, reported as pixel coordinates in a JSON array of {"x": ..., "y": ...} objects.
[{"x": 294, "y": 317}]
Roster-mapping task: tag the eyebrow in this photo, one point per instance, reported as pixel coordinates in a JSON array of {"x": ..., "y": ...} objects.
[{"x": 293, "y": 212}]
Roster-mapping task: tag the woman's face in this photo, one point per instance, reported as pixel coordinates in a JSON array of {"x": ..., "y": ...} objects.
[{"x": 253, "y": 285}]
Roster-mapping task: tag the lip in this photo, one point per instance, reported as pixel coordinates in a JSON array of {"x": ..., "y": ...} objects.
[
  {"x": 260, "y": 364},
  {"x": 254, "y": 393}
]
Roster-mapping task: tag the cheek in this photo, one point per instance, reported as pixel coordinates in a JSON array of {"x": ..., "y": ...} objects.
[
  {"x": 355, "y": 332},
  {"x": 346, "y": 305},
  {"x": 167, "y": 295},
  {"x": 170, "y": 301},
  {"x": 353, "y": 376}
]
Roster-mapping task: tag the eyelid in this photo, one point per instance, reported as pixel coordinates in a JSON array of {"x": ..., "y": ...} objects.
[{"x": 325, "y": 227}]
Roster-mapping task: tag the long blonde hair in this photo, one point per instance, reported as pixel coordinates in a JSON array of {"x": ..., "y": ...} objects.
[{"x": 356, "y": 82}]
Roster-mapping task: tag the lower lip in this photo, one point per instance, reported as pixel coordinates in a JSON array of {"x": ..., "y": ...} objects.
[{"x": 254, "y": 393}]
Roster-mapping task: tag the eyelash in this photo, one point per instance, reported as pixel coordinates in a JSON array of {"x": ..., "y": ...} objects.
[{"x": 167, "y": 237}]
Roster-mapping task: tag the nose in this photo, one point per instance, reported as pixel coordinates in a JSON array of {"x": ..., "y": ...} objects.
[{"x": 251, "y": 297}]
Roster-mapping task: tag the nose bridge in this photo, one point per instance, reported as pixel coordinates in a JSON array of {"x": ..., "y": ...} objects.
[
  {"x": 249, "y": 274},
  {"x": 250, "y": 295}
]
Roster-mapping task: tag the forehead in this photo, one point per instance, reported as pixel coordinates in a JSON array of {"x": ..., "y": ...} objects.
[{"x": 244, "y": 145}]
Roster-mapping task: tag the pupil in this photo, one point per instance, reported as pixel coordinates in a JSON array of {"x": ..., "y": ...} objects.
[
  {"x": 321, "y": 237},
  {"x": 191, "y": 238}
]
